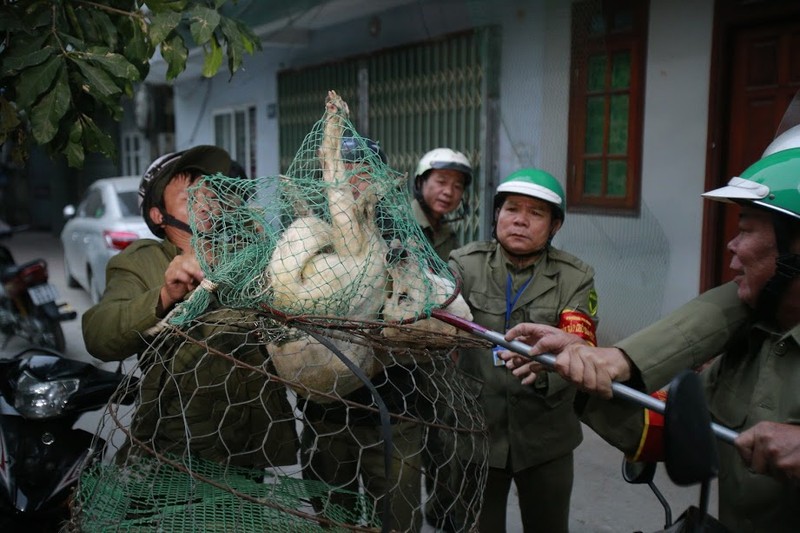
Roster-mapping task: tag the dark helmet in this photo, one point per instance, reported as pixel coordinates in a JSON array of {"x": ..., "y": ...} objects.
[
  {"x": 359, "y": 149},
  {"x": 205, "y": 160}
]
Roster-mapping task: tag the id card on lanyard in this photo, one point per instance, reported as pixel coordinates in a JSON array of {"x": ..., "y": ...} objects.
[{"x": 511, "y": 301}]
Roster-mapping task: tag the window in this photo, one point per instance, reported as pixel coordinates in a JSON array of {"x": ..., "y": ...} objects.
[
  {"x": 135, "y": 154},
  {"x": 92, "y": 205},
  {"x": 235, "y": 131},
  {"x": 606, "y": 101}
]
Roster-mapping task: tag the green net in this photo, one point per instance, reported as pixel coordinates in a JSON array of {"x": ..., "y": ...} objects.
[
  {"x": 304, "y": 384},
  {"x": 345, "y": 243},
  {"x": 169, "y": 495}
]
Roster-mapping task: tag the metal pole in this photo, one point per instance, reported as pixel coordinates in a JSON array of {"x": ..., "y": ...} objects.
[{"x": 619, "y": 390}]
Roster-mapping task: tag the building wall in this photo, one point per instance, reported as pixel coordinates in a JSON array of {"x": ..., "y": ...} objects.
[{"x": 646, "y": 265}]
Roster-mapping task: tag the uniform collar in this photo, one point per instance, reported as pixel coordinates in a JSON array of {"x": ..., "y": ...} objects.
[{"x": 437, "y": 237}]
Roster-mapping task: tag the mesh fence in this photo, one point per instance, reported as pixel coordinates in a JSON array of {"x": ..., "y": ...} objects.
[{"x": 303, "y": 385}]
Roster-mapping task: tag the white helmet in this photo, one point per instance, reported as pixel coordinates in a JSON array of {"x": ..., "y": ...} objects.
[
  {"x": 442, "y": 159},
  {"x": 788, "y": 139}
]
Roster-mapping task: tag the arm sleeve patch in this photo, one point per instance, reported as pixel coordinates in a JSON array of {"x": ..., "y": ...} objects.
[{"x": 579, "y": 324}]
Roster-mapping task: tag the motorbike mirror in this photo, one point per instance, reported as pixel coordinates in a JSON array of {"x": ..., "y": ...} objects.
[
  {"x": 639, "y": 472},
  {"x": 69, "y": 211},
  {"x": 689, "y": 446}
]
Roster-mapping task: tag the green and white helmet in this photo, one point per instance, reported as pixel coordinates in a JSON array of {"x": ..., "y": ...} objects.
[
  {"x": 536, "y": 184},
  {"x": 772, "y": 182}
]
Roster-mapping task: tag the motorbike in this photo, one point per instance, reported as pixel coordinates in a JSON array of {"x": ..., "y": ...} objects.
[
  {"x": 690, "y": 456},
  {"x": 28, "y": 302},
  {"x": 42, "y": 396}
]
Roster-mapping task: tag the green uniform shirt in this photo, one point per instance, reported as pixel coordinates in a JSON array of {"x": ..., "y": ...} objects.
[
  {"x": 444, "y": 240},
  {"x": 528, "y": 425},
  {"x": 240, "y": 417},
  {"x": 756, "y": 379}
]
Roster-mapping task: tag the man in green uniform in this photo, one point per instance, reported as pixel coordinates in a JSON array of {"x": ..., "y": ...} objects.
[
  {"x": 752, "y": 387},
  {"x": 440, "y": 183},
  {"x": 443, "y": 175},
  {"x": 521, "y": 277},
  {"x": 190, "y": 399}
]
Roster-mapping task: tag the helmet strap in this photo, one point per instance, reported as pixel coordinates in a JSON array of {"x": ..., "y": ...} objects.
[
  {"x": 170, "y": 220},
  {"x": 787, "y": 268}
]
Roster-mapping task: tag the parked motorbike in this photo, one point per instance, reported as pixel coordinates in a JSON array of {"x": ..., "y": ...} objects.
[
  {"x": 42, "y": 395},
  {"x": 690, "y": 456},
  {"x": 28, "y": 302}
]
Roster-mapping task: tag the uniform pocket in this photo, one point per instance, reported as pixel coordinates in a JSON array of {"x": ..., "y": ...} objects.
[
  {"x": 728, "y": 406},
  {"x": 541, "y": 313}
]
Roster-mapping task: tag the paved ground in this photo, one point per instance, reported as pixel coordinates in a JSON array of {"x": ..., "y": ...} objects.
[{"x": 601, "y": 500}]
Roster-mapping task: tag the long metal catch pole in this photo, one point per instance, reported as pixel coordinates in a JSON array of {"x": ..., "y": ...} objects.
[{"x": 619, "y": 390}]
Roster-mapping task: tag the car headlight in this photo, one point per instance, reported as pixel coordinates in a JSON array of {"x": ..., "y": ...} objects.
[{"x": 41, "y": 399}]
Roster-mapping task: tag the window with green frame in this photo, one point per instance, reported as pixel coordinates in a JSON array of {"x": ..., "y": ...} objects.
[{"x": 606, "y": 101}]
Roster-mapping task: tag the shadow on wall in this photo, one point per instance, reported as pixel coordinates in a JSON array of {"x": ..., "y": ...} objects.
[{"x": 630, "y": 258}]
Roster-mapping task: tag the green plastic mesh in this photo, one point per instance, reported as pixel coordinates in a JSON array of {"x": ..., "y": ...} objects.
[
  {"x": 344, "y": 229},
  {"x": 274, "y": 398},
  {"x": 204, "y": 496}
]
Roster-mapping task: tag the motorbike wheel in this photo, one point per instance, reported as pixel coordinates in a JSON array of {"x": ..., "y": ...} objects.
[{"x": 47, "y": 332}]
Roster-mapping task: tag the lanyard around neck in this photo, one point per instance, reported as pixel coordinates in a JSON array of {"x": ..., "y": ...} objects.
[{"x": 511, "y": 302}]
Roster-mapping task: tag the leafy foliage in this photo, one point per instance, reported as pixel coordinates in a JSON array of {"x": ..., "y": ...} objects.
[{"x": 64, "y": 64}]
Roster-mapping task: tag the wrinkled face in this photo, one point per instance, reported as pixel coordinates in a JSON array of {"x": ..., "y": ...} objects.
[
  {"x": 442, "y": 191},
  {"x": 754, "y": 253},
  {"x": 525, "y": 224}
]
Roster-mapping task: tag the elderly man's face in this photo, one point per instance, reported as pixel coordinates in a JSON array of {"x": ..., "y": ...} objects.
[
  {"x": 754, "y": 253},
  {"x": 524, "y": 224}
]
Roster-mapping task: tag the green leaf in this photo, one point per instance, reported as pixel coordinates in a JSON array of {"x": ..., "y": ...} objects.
[
  {"x": 161, "y": 25},
  {"x": 157, "y": 6},
  {"x": 235, "y": 47},
  {"x": 250, "y": 40},
  {"x": 138, "y": 49},
  {"x": 46, "y": 115},
  {"x": 74, "y": 149},
  {"x": 114, "y": 64},
  {"x": 8, "y": 116},
  {"x": 33, "y": 82},
  {"x": 213, "y": 59},
  {"x": 175, "y": 53},
  {"x": 106, "y": 29},
  {"x": 96, "y": 81},
  {"x": 10, "y": 21},
  {"x": 33, "y": 17},
  {"x": 12, "y": 63},
  {"x": 94, "y": 139},
  {"x": 77, "y": 26},
  {"x": 203, "y": 23}
]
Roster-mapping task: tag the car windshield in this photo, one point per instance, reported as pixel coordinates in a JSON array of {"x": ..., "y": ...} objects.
[{"x": 129, "y": 203}]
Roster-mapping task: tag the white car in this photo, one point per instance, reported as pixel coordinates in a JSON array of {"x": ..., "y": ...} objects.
[{"x": 105, "y": 222}]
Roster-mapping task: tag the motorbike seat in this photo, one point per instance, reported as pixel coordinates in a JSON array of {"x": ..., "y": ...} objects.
[{"x": 11, "y": 271}]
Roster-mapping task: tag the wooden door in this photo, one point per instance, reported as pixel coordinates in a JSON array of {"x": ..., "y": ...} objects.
[{"x": 765, "y": 77}]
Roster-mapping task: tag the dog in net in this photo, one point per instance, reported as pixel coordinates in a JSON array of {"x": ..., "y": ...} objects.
[{"x": 299, "y": 387}]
